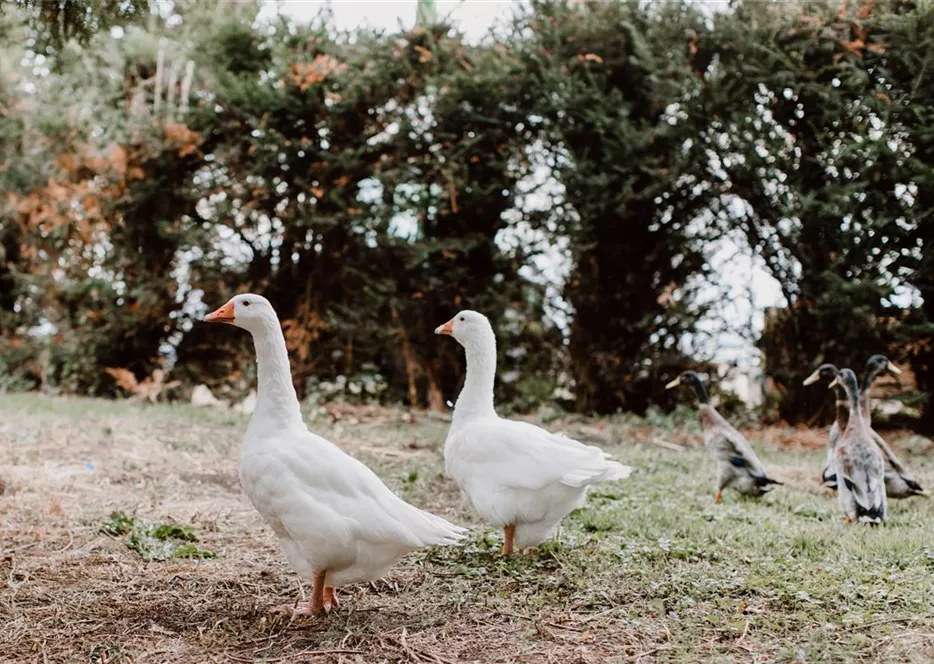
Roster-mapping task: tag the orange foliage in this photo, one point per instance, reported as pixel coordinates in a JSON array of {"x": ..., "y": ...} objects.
[
  {"x": 297, "y": 338},
  {"x": 185, "y": 139},
  {"x": 856, "y": 46},
  {"x": 424, "y": 55},
  {"x": 124, "y": 378},
  {"x": 305, "y": 75},
  {"x": 150, "y": 388},
  {"x": 593, "y": 57},
  {"x": 117, "y": 159}
]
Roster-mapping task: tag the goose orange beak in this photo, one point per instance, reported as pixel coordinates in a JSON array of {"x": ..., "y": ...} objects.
[
  {"x": 223, "y": 315},
  {"x": 447, "y": 328}
]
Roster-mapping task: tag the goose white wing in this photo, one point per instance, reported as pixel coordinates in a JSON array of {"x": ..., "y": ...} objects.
[
  {"x": 318, "y": 492},
  {"x": 523, "y": 456}
]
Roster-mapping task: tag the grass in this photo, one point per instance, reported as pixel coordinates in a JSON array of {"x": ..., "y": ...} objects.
[
  {"x": 155, "y": 541},
  {"x": 650, "y": 570}
]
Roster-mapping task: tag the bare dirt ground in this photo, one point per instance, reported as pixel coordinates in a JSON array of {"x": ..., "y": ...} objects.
[{"x": 649, "y": 571}]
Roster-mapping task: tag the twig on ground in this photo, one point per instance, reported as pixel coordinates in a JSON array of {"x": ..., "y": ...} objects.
[
  {"x": 876, "y": 623},
  {"x": 303, "y": 653},
  {"x": 636, "y": 658},
  {"x": 667, "y": 444},
  {"x": 743, "y": 636}
]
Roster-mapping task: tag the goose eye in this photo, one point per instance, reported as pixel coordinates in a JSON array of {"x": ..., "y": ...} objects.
[
  {"x": 463, "y": 319},
  {"x": 246, "y": 303}
]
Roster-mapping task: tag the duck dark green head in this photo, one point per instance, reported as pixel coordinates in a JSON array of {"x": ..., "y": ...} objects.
[
  {"x": 847, "y": 380},
  {"x": 876, "y": 365},
  {"x": 693, "y": 380},
  {"x": 823, "y": 372}
]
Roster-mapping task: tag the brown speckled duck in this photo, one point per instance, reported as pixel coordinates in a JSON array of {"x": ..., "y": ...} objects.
[
  {"x": 858, "y": 462},
  {"x": 738, "y": 467},
  {"x": 898, "y": 480},
  {"x": 828, "y": 372}
]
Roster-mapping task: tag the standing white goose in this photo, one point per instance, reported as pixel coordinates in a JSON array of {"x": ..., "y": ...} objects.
[
  {"x": 517, "y": 476},
  {"x": 336, "y": 520}
]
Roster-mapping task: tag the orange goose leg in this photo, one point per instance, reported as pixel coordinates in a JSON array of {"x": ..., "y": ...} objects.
[
  {"x": 716, "y": 499},
  {"x": 319, "y": 598},
  {"x": 317, "y": 591},
  {"x": 330, "y": 599},
  {"x": 510, "y": 534}
]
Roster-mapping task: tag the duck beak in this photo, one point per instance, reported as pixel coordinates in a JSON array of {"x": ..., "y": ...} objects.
[
  {"x": 223, "y": 315},
  {"x": 674, "y": 383},
  {"x": 834, "y": 382},
  {"x": 891, "y": 367},
  {"x": 447, "y": 328},
  {"x": 813, "y": 378}
]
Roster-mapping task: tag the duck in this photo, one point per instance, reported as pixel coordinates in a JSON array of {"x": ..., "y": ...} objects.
[
  {"x": 899, "y": 482},
  {"x": 828, "y": 372},
  {"x": 738, "y": 467},
  {"x": 336, "y": 521},
  {"x": 858, "y": 462},
  {"x": 874, "y": 366},
  {"x": 518, "y": 477}
]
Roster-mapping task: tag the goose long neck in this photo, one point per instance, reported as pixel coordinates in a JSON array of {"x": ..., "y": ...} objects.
[
  {"x": 276, "y": 401},
  {"x": 476, "y": 399}
]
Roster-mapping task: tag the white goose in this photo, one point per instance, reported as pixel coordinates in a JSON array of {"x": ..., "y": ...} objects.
[
  {"x": 517, "y": 476},
  {"x": 336, "y": 520}
]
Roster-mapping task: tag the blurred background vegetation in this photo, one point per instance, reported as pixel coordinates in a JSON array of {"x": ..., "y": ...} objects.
[{"x": 158, "y": 157}]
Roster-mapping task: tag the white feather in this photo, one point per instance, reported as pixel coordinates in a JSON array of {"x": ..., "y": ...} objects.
[
  {"x": 514, "y": 473},
  {"x": 329, "y": 511}
]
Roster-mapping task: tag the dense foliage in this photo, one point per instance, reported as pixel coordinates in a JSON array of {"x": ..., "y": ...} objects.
[
  {"x": 618, "y": 79},
  {"x": 812, "y": 143},
  {"x": 55, "y": 22},
  {"x": 373, "y": 184}
]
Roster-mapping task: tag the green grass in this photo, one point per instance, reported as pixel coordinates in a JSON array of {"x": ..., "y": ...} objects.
[
  {"x": 649, "y": 570},
  {"x": 783, "y": 574},
  {"x": 155, "y": 541}
]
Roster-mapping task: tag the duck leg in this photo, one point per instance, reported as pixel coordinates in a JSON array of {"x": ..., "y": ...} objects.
[
  {"x": 510, "y": 533},
  {"x": 330, "y": 599}
]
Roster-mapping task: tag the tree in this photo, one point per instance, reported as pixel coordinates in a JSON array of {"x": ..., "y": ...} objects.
[
  {"x": 809, "y": 165},
  {"x": 55, "y": 22},
  {"x": 607, "y": 87},
  {"x": 456, "y": 162},
  {"x": 908, "y": 66}
]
